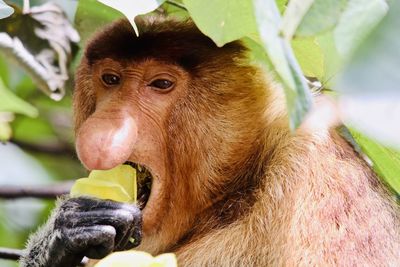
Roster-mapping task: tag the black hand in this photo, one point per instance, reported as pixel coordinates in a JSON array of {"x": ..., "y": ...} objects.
[
  {"x": 84, "y": 227},
  {"x": 79, "y": 213},
  {"x": 97, "y": 227}
]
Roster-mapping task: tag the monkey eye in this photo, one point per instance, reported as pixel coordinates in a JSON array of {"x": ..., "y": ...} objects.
[
  {"x": 161, "y": 84},
  {"x": 110, "y": 79}
]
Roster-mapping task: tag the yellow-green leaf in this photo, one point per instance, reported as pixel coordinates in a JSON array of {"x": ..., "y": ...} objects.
[
  {"x": 322, "y": 16},
  {"x": 386, "y": 162},
  {"x": 281, "y": 55},
  {"x": 356, "y": 22},
  {"x": 133, "y": 8},
  {"x": 92, "y": 15},
  {"x": 9, "y": 102},
  {"x": 310, "y": 57},
  {"x": 223, "y": 20}
]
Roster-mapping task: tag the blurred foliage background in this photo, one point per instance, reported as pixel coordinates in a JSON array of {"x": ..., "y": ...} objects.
[
  {"x": 348, "y": 49},
  {"x": 41, "y": 150}
]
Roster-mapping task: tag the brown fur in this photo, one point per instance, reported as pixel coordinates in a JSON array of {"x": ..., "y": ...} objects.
[{"x": 244, "y": 189}]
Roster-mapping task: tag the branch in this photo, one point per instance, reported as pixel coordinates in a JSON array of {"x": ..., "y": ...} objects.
[
  {"x": 10, "y": 253},
  {"x": 179, "y": 5},
  {"x": 46, "y": 192},
  {"x": 15, "y": 254},
  {"x": 49, "y": 149}
]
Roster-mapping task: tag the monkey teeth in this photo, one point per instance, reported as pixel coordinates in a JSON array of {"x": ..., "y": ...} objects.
[{"x": 144, "y": 182}]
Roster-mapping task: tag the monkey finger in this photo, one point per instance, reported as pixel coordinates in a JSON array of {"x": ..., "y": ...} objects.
[
  {"x": 124, "y": 236},
  {"x": 82, "y": 204},
  {"x": 94, "y": 241},
  {"x": 122, "y": 220},
  {"x": 133, "y": 236},
  {"x": 90, "y": 203},
  {"x": 118, "y": 218}
]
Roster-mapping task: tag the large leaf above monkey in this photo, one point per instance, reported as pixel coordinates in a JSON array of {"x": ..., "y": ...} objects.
[
  {"x": 133, "y": 8},
  {"x": 42, "y": 41}
]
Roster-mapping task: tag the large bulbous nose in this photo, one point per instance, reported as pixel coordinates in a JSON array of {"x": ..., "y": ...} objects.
[{"x": 106, "y": 140}]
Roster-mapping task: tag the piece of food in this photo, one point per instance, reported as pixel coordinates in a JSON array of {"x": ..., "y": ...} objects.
[
  {"x": 118, "y": 184},
  {"x": 134, "y": 258}
]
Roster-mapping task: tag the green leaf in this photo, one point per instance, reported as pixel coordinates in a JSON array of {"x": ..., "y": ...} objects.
[
  {"x": 133, "y": 8},
  {"x": 175, "y": 11},
  {"x": 309, "y": 55},
  {"x": 338, "y": 26},
  {"x": 223, "y": 20},
  {"x": 322, "y": 16},
  {"x": 356, "y": 22},
  {"x": 40, "y": 131},
  {"x": 294, "y": 14},
  {"x": 5, "y": 70},
  {"x": 12, "y": 103},
  {"x": 282, "y": 58},
  {"x": 333, "y": 61},
  {"x": 371, "y": 82},
  {"x": 257, "y": 53},
  {"x": 374, "y": 68},
  {"x": 386, "y": 162},
  {"x": 91, "y": 16},
  {"x": 281, "y": 5},
  {"x": 5, "y": 10}
]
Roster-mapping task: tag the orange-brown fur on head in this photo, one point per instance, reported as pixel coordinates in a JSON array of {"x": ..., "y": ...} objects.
[{"x": 241, "y": 189}]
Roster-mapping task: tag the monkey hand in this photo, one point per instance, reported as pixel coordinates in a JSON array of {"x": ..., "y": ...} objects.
[{"x": 82, "y": 227}]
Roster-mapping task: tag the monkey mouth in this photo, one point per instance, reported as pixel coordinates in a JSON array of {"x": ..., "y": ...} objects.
[{"x": 144, "y": 180}]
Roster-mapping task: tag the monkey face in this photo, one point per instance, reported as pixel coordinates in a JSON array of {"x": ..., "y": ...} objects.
[{"x": 129, "y": 122}]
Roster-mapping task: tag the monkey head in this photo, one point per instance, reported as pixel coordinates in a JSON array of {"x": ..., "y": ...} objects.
[{"x": 173, "y": 102}]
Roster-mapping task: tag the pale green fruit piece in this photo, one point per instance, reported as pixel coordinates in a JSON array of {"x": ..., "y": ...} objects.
[
  {"x": 164, "y": 260},
  {"x": 137, "y": 259},
  {"x": 118, "y": 184}
]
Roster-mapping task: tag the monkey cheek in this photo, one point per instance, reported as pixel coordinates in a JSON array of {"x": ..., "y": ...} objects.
[{"x": 105, "y": 143}]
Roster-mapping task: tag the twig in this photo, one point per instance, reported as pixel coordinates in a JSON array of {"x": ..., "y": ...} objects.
[
  {"x": 15, "y": 254},
  {"x": 10, "y": 253},
  {"x": 179, "y": 5},
  {"x": 49, "y": 149},
  {"x": 47, "y": 192}
]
